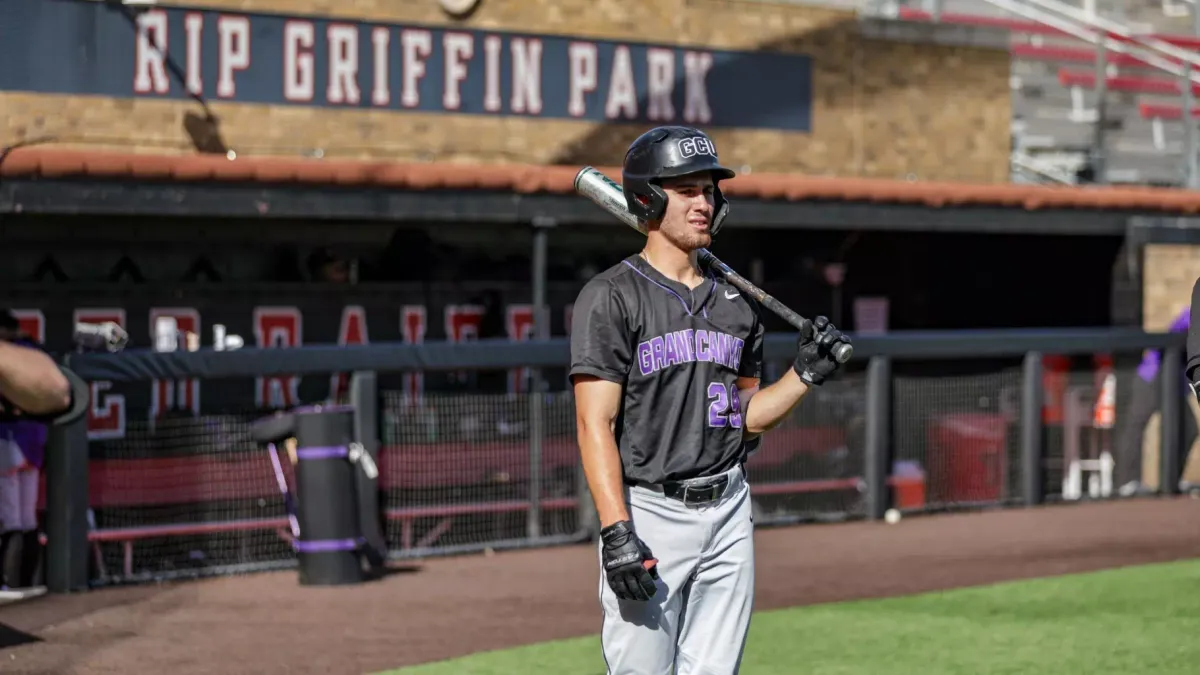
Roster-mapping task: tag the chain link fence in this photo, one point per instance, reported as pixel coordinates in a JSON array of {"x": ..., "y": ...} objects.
[{"x": 189, "y": 495}]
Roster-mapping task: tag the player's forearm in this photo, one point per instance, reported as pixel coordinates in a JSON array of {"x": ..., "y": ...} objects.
[
  {"x": 602, "y": 467},
  {"x": 770, "y": 405},
  {"x": 31, "y": 380}
]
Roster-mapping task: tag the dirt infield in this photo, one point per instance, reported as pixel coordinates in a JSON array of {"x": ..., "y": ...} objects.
[{"x": 267, "y": 623}]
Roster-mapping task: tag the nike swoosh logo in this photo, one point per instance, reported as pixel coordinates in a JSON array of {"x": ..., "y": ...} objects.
[{"x": 730, "y": 297}]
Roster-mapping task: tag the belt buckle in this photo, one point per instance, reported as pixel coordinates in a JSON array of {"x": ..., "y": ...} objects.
[{"x": 708, "y": 493}]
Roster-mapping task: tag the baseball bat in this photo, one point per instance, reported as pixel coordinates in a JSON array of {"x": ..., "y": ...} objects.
[{"x": 607, "y": 194}]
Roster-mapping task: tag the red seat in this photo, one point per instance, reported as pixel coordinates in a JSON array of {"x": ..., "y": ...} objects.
[
  {"x": 1164, "y": 111},
  {"x": 1161, "y": 86}
]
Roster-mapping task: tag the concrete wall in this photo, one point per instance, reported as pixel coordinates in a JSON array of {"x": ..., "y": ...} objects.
[{"x": 879, "y": 108}]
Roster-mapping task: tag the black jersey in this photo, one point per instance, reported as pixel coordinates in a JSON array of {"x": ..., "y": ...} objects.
[{"x": 678, "y": 354}]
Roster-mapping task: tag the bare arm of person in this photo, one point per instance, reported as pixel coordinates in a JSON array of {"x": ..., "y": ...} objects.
[
  {"x": 596, "y": 404},
  {"x": 31, "y": 381},
  {"x": 763, "y": 408}
]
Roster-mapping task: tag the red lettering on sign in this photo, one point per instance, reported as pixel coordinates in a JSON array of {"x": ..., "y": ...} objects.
[
  {"x": 106, "y": 414},
  {"x": 32, "y": 323},
  {"x": 193, "y": 26},
  {"x": 660, "y": 84},
  {"x": 526, "y": 82},
  {"x": 492, "y": 46},
  {"x": 462, "y": 322},
  {"x": 415, "y": 45},
  {"x": 150, "y": 70},
  {"x": 622, "y": 92},
  {"x": 458, "y": 48},
  {"x": 233, "y": 52},
  {"x": 462, "y": 325},
  {"x": 352, "y": 332},
  {"x": 343, "y": 64},
  {"x": 412, "y": 330},
  {"x": 381, "y": 93},
  {"x": 519, "y": 325},
  {"x": 583, "y": 57},
  {"x": 177, "y": 395},
  {"x": 298, "y": 68},
  {"x": 278, "y": 327}
]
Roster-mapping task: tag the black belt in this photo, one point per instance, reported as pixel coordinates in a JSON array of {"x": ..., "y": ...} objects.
[{"x": 696, "y": 492}]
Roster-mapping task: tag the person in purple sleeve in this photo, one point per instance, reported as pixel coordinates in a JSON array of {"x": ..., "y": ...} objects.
[
  {"x": 28, "y": 382},
  {"x": 22, "y": 450},
  {"x": 1144, "y": 401}
]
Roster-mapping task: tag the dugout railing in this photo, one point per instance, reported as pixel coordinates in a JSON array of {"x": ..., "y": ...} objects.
[{"x": 920, "y": 421}]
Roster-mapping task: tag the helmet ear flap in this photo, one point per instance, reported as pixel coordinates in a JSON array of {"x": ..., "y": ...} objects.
[
  {"x": 720, "y": 210},
  {"x": 645, "y": 200}
]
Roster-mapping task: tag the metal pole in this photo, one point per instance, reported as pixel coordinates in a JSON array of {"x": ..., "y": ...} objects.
[
  {"x": 364, "y": 397},
  {"x": 879, "y": 432},
  {"x": 1171, "y": 420},
  {"x": 1032, "y": 482},
  {"x": 537, "y": 384},
  {"x": 1101, "y": 95},
  {"x": 1189, "y": 129},
  {"x": 67, "y": 507}
]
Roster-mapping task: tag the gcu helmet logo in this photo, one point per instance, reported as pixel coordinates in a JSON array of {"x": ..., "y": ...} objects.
[{"x": 696, "y": 145}]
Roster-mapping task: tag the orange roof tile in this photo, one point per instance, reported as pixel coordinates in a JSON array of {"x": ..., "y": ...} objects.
[{"x": 30, "y": 162}]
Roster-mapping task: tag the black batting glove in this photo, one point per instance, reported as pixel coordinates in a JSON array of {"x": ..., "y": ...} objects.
[
  {"x": 814, "y": 356},
  {"x": 624, "y": 557}
]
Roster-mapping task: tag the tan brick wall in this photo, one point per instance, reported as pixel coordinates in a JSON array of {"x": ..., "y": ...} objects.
[
  {"x": 881, "y": 109},
  {"x": 1168, "y": 273}
]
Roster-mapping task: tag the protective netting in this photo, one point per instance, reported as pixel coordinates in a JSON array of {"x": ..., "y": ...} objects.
[
  {"x": 185, "y": 493},
  {"x": 1089, "y": 459},
  {"x": 956, "y": 438},
  {"x": 456, "y": 468},
  {"x": 810, "y": 467},
  {"x": 189, "y": 494}
]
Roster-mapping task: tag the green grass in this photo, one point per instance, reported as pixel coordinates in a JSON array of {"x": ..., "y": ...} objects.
[{"x": 1128, "y": 621}]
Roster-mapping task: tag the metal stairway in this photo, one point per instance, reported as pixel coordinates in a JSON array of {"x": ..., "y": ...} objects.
[{"x": 1098, "y": 135}]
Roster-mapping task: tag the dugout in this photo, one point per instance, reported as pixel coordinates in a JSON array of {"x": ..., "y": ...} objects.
[
  {"x": 120, "y": 237},
  {"x": 945, "y": 256}
]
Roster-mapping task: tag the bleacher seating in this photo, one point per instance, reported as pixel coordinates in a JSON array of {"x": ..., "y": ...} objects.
[{"x": 1055, "y": 106}]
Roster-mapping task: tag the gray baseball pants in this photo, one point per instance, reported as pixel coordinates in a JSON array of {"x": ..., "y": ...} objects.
[{"x": 697, "y": 621}]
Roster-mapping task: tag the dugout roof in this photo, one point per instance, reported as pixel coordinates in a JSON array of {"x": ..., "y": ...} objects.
[{"x": 45, "y": 180}]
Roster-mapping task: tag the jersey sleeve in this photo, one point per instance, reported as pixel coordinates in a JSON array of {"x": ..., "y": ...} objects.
[
  {"x": 752, "y": 353},
  {"x": 600, "y": 335}
]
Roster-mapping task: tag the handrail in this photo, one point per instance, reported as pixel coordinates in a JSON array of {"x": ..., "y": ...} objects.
[
  {"x": 1133, "y": 47},
  {"x": 139, "y": 365},
  {"x": 1116, "y": 28},
  {"x": 1032, "y": 164}
]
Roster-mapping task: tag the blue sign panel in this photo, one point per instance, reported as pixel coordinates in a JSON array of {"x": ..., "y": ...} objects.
[{"x": 92, "y": 48}]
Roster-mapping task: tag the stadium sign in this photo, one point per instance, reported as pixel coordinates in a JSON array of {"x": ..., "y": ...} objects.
[{"x": 181, "y": 53}]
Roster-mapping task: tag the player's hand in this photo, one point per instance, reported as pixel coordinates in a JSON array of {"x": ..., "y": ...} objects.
[
  {"x": 625, "y": 557},
  {"x": 814, "y": 357}
]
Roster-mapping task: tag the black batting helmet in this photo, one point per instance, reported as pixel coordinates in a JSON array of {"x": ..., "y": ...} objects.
[{"x": 668, "y": 152}]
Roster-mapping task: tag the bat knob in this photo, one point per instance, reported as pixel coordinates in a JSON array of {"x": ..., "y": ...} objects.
[{"x": 843, "y": 352}]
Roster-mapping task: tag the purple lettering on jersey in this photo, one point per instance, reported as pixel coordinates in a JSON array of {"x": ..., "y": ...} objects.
[
  {"x": 645, "y": 359},
  {"x": 689, "y": 346},
  {"x": 722, "y": 351},
  {"x": 671, "y": 353},
  {"x": 702, "y": 345},
  {"x": 656, "y": 347}
]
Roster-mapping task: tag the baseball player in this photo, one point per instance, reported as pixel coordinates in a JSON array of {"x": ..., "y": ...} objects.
[{"x": 665, "y": 365}]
